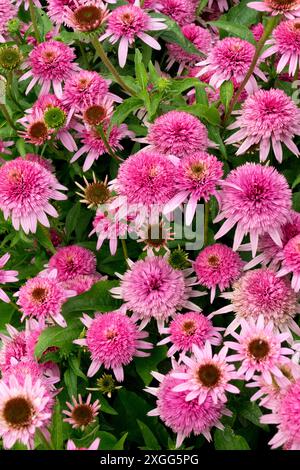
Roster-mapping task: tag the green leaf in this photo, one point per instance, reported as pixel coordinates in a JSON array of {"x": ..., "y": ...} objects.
[
  {"x": 71, "y": 382},
  {"x": 6, "y": 313},
  {"x": 252, "y": 412},
  {"x": 105, "y": 406},
  {"x": 57, "y": 428},
  {"x": 241, "y": 14},
  {"x": 180, "y": 85},
  {"x": 209, "y": 113},
  {"x": 149, "y": 438},
  {"x": 227, "y": 440},
  {"x": 174, "y": 34},
  {"x": 226, "y": 93},
  {"x": 238, "y": 30},
  {"x": 72, "y": 218},
  {"x": 43, "y": 237},
  {"x": 120, "y": 444},
  {"x": 124, "y": 109},
  {"x": 140, "y": 70},
  {"x": 144, "y": 368},
  {"x": 107, "y": 440},
  {"x": 215, "y": 136},
  {"x": 75, "y": 366},
  {"x": 296, "y": 182},
  {"x": 60, "y": 337}
]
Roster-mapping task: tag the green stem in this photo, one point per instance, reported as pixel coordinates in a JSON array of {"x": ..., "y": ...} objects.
[
  {"x": 10, "y": 90},
  {"x": 107, "y": 145},
  {"x": 124, "y": 247},
  {"x": 101, "y": 53},
  {"x": 272, "y": 22},
  {"x": 34, "y": 22},
  {"x": 83, "y": 54},
  {"x": 206, "y": 220},
  {"x": 7, "y": 116}
]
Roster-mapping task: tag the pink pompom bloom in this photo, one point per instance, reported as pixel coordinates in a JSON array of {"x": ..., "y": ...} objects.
[
  {"x": 51, "y": 63},
  {"x": 71, "y": 261},
  {"x": 182, "y": 416},
  {"x": 196, "y": 177},
  {"x": 202, "y": 40},
  {"x": 288, "y": 8},
  {"x": 83, "y": 283},
  {"x": 128, "y": 22},
  {"x": 8, "y": 11},
  {"x": 93, "y": 145},
  {"x": 217, "y": 266},
  {"x": 24, "y": 408},
  {"x": 86, "y": 16},
  {"x": 188, "y": 329},
  {"x": 261, "y": 292},
  {"x": 44, "y": 162},
  {"x": 258, "y": 199},
  {"x": 42, "y": 298},
  {"x": 267, "y": 117},
  {"x": 286, "y": 415},
  {"x": 181, "y": 11},
  {"x": 57, "y": 10},
  {"x": 6, "y": 276},
  {"x": 285, "y": 43},
  {"x": 231, "y": 58},
  {"x": 257, "y": 31},
  {"x": 80, "y": 414},
  {"x": 291, "y": 261},
  {"x": 207, "y": 375},
  {"x": 113, "y": 339},
  {"x": 25, "y": 190},
  {"x": 4, "y": 146},
  {"x": 151, "y": 288},
  {"x": 94, "y": 445},
  {"x": 259, "y": 349}
]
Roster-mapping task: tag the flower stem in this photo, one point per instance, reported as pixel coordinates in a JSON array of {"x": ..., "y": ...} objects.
[
  {"x": 272, "y": 22},
  {"x": 206, "y": 220},
  {"x": 107, "y": 145},
  {"x": 34, "y": 22},
  {"x": 101, "y": 53},
  {"x": 124, "y": 247},
  {"x": 7, "y": 116}
]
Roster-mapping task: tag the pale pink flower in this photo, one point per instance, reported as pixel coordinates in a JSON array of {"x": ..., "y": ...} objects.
[
  {"x": 25, "y": 190},
  {"x": 26, "y": 3},
  {"x": 86, "y": 16},
  {"x": 94, "y": 445},
  {"x": 128, "y": 22},
  {"x": 71, "y": 261},
  {"x": 268, "y": 117},
  {"x": 4, "y": 144},
  {"x": 181, "y": 11},
  {"x": 221, "y": 4},
  {"x": 113, "y": 339},
  {"x": 51, "y": 63},
  {"x": 231, "y": 58},
  {"x": 289, "y": 8},
  {"x": 44, "y": 162},
  {"x": 80, "y": 414},
  {"x": 36, "y": 130},
  {"x": 96, "y": 111},
  {"x": 8, "y": 11},
  {"x": 83, "y": 282},
  {"x": 6, "y": 276},
  {"x": 57, "y": 10},
  {"x": 257, "y": 199},
  {"x": 207, "y": 375},
  {"x": 291, "y": 261}
]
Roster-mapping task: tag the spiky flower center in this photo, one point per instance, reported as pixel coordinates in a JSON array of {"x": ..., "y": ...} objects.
[
  {"x": 10, "y": 58},
  {"x": 18, "y": 412},
  {"x": 55, "y": 117},
  {"x": 106, "y": 384},
  {"x": 94, "y": 115},
  {"x": 49, "y": 56},
  {"x": 156, "y": 235},
  {"x": 111, "y": 334},
  {"x": 213, "y": 261},
  {"x": 189, "y": 327},
  {"x": 97, "y": 193},
  {"x": 127, "y": 18},
  {"x": 283, "y": 5},
  {"x": 178, "y": 259},
  {"x": 39, "y": 294},
  {"x": 198, "y": 170},
  {"x": 38, "y": 130},
  {"x": 82, "y": 415},
  {"x": 88, "y": 17},
  {"x": 259, "y": 348},
  {"x": 209, "y": 375}
]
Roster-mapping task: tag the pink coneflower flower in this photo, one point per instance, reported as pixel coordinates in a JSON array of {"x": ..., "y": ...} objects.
[
  {"x": 86, "y": 17},
  {"x": 291, "y": 261},
  {"x": 221, "y": 4},
  {"x": 259, "y": 349},
  {"x": 289, "y": 8},
  {"x": 207, "y": 375},
  {"x": 181, "y": 11},
  {"x": 93, "y": 145},
  {"x": 42, "y": 298},
  {"x": 128, "y": 22},
  {"x": 196, "y": 177},
  {"x": 113, "y": 339},
  {"x": 80, "y": 414},
  {"x": 23, "y": 409},
  {"x": 4, "y": 146},
  {"x": 44, "y": 162},
  {"x": 258, "y": 199},
  {"x": 151, "y": 288},
  {"x": 25, "y": 190},
  {"x": 8, "y": 11},
  {"x": 182, "y": 416},
  {"x": 257, "y": 31},
  {"x": 188, "y": 329},
  {"x": 261, "y": 292},
  {"x": 96, "y": 111},
  {"x": 57, "y": 10},
  {"x": 217, "y": 266},
  {"x": 94, "y": 445},
  {"x": 51, "y": 63},
  {"x": 26, "y": 3},
  {"x": 36, "y": 130},
  {"x": 146, "y": 178},
  {"x": 267, "y": 117},
  {"x": 178, "y": 133},
  {"x": 154, "y": 236},
  {"x": 286, "y": 415},
  {"x": 71, "y": 261},
  {"x": 6, "y": 276},
  {"x": 202, "y": 40},
  {"x": 83, "y": 283},
  {"x": 231, "y": 57}
]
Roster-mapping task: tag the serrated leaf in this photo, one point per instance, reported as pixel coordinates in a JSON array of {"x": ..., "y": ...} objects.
[
  {"x": 227, "y": 440},
  {"x": 149, "y": 438}
]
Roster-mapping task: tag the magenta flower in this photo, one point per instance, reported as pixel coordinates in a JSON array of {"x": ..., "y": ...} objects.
[
  {"x": 291, "y": 261},
  {"x": 44, "y": 162},
  {"x": 57, "y": 10},
  {"x": 113, "y": 339},
  {"x": 217, "y": 266},
  {"x": 259, "y": 349},
  {"x": 267, "y": 117},
  {"x": 231, "y": 58},
  {"x": 289, "y": 8},
  {"x": 207, "y": 375},
  {"x": 51, "y": 63},
  {"x": 196, "y": 177},
  {"x": 94, "y": 445},
  {"x": 96, "y": 111},
  {"x": 6, "y": 276},
  {"x": 258, "y": 199},
  {"x": 182, "y": 416},
  {"x": 8, "y": 11},
  {"x": 71, "y": 261},
  {"x": 80, "y": 414},
  {"x": 25, "y": 190},
  {"x": 181, "y": 11},
  {"x": 83, "y": 282},
  {"x": 128, "y": 22},
  {"x": 86, "y": 17}
]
